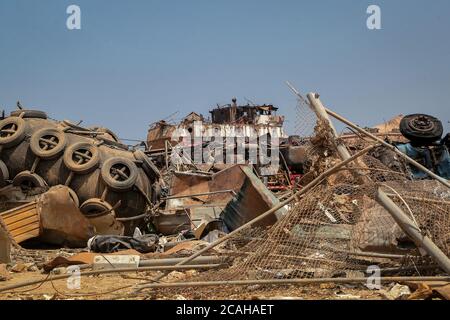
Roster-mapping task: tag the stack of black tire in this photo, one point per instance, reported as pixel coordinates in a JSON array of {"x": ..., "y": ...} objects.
[
  {"x": 421, "y": 129},
  {"x": 106, "y": 177}
]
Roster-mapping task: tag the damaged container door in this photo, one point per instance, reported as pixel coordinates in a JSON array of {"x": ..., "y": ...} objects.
[{"x": 253, "y": 199}]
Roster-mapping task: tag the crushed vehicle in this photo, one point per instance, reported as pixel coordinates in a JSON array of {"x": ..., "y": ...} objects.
[
  {"x": 426, "y": 144},
  {"x": 422, "y": 140}
]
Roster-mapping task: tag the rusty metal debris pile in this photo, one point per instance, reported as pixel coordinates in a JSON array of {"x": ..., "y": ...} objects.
[
  {"x": 340, "y": 226},
  {"x": 337, "y": 208},
  {"x": 72, "y": 176}
]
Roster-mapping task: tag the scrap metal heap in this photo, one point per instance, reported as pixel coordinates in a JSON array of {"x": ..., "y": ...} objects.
[
  {"x": 210, "y": 194},
  {"x": 351, "y": 212},
  {"x": 53, "y": 170},
  {"x": 336, "y": 207}
]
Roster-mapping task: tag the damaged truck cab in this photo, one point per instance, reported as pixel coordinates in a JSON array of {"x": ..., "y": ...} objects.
[
  {"x": 424, "y": 133},
  {"x": 436, "y": 158}
]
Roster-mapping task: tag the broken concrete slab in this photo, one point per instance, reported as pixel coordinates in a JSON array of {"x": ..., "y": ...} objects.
[{"x": 116, "y": 261}]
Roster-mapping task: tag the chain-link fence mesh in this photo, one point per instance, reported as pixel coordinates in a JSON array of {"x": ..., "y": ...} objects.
[
  {"x": 305, "y": 119},
  {"x": 338, "y": 229}
]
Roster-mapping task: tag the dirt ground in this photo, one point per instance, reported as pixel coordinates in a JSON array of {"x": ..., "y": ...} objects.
[
  {"x": 27, "y": 265},
  {"x": 115, "y": 286}
]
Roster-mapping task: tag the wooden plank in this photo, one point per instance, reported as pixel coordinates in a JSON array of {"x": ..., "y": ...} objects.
[
  {"x": 33, "y": 220},
  {"x": 25, "y": 236},
  {"x": 21, "y": 216},
  {"x": 24, "y": 229},
  {"x": 22, "y": 222},
  {"x": 19, "y": 209},
  {"x": 14, "y": 212}
]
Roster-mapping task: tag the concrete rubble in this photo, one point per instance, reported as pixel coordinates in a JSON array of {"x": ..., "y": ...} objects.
[{"x": 73, "y": 196}]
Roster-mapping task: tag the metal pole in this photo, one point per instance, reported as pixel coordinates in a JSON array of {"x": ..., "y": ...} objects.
[
  {"x": 200, "y": 194},
  {"x": 413, "y": 231},
  {"x": 166, "y": 154},
  {"x": 341, "y": 148},
  {"x": 397, "y": 213},
  {"x": 108, "y": 271},
  {"x": 287, "y": 172},
  {"x": 321, "y": 113},
  {"x": 174, "y": 261},
  {"x": 391, "y": 147},
  {"x": 288, "y": 281},
  {"x": 267, "y": 213},
  {"x": 375, "y": 138}
]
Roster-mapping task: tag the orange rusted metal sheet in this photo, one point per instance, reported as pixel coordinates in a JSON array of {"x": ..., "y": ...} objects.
[
  {"x": 158, "y": 134},
  {"x": 247, "y": 199},
  {"x": 253, "y": 198},
  {"x": 22, "y": 222},
  {"x": 62, "y": 222}
]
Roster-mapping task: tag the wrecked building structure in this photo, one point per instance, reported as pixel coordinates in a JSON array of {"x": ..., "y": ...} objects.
[
  {"x": 249, "y": 134},
  {"x": 227, "y": 120}
]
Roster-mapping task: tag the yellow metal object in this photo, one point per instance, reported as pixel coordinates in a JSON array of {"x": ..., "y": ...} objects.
[{"x": 22, "y": 222}]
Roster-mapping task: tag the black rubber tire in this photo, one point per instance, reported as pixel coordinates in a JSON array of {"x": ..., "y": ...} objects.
[
  {"x": 421, "y": 128},
  {"x": 12, "y": 131},
  {"x": 28, "y": 180},
  {"x": 4, "y": 170},
  {"x": 4, "y": 174},
  {"x": 86, "y": 152},
  {"x": 46, "y": 137},
  {"x": 147, "y": 165},
  {"x": 95, "y": 207},
  {"x": 119, "y": 174},
  {"x": 29, "y": 114}
]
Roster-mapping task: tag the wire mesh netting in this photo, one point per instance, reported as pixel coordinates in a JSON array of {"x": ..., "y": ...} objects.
[
  {"x": 305, "y": 119},
  {"x": 337, "y": 228}
]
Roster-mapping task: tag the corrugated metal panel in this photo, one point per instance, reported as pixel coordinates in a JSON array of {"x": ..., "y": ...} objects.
[{"x": 22, "y": 222}]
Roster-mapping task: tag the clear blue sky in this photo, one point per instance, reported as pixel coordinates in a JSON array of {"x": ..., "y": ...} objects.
[{"x": 134, "y": 62}]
